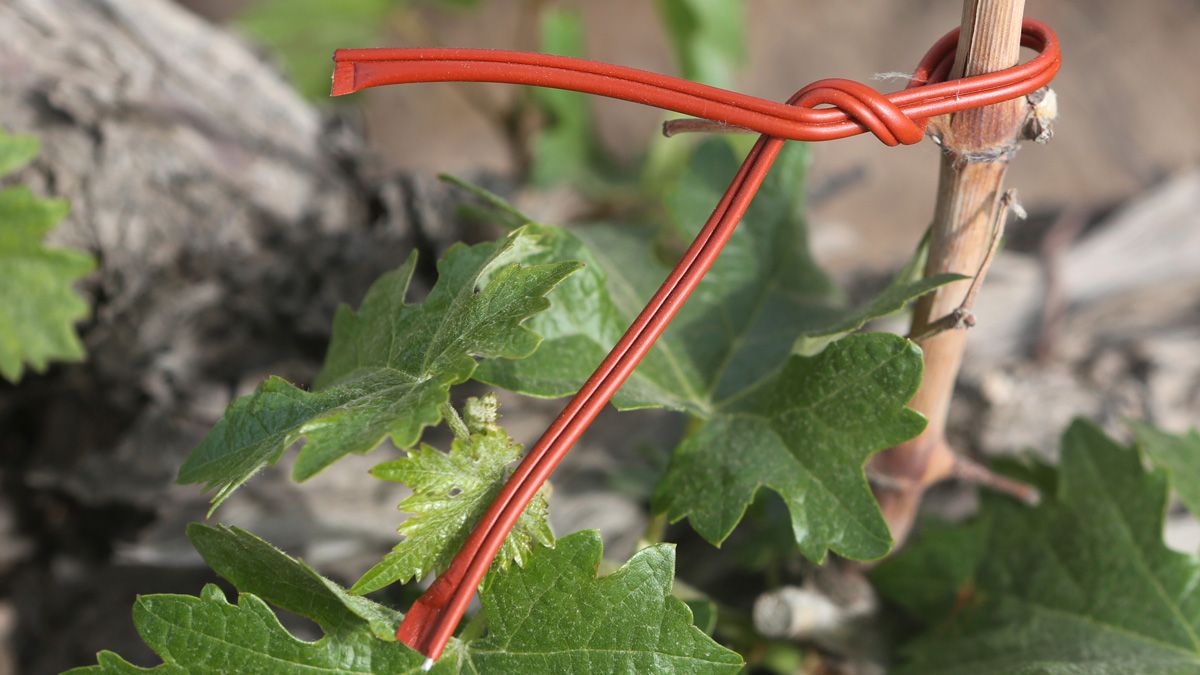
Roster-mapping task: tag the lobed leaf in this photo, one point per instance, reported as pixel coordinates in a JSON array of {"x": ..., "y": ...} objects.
[
  {"x": 735, "y": 338},
  {"x": 38, "y": 307},
  {"x": 555, "y": 616},
  {"x": 254, "y": 566},
  {"x": 207, "y": 634},
  {"x": 1083, "y": 583},
  {"x": 804, "y": 433},
  {"x": 737, "y": 327},
  {"x": 451, "y": 492},
  {"x": 389, "y": 368}
]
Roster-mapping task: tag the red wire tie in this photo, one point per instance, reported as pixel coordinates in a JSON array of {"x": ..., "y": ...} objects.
[{"x": 855, "y": 108}]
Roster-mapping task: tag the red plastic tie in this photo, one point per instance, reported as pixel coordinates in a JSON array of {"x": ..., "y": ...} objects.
[{"x": 895, "y": 118}]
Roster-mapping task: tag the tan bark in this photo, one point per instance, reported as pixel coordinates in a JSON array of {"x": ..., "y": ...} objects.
[{"x": 977, "y": 145}]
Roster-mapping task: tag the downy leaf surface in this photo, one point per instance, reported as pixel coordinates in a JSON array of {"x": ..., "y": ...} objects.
[{"x": 451, "y": 492}]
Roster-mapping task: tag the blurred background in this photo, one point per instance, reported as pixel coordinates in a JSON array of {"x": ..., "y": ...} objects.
[{"x": 231, "y": 205}]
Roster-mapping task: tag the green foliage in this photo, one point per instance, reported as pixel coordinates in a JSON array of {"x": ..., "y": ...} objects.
[
  {"x": 1178, "y": 455},
  {"x": 254, "y": 566},
  {"x": 207, "y": 634},
  {"x": 38, "y": 307},
  {"x": 451, "y": 491},
  {"x": 708, "y": 37},
  {"x": 389, "y": 368},
  {"x": 805, "y": 433},
  {"x": 303, "y": 34},
  {"x": 1083, "y": 583},
  {"x": 554, "y": 616},
  {"x": 736, "y": 328},
  {"x": 729, "y": 350},
  {"x": 563, "y": 150},
  {"x": 910, "y": 283},
  {"x": 16, "y": 152}
]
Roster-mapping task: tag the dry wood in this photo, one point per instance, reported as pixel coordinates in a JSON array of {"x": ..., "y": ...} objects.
[
  {"x": 977, "y": 145},
  {"x": 227, "y": 214}
]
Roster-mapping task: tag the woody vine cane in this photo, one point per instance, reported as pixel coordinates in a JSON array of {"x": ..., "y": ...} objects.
[{"x": 853, "y": 108}]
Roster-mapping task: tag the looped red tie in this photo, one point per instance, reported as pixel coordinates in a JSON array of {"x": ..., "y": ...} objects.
[{"x": 895, "y": 118}]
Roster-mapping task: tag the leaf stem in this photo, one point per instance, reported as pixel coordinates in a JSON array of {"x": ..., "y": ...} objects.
[
  {"x": 455, "y": 422},
  {"x": 961, "y": 318},
  {"x": 656, "y": 529}
]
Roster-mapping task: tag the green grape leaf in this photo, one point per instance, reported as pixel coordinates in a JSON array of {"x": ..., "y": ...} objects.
[
  {"x": 709, "y": 38},
  {"x": 804, "y": 433},
  {"x": 563, "y": 150},
  {"x": 1178, "y": 455},
  {"x": 38, "y": 307},
  {"x": 555, "y": 616},
  {"x": 390, "y": 366},
  {"x": 207, "y": 634},
  {"x": 734, "y": 337},
  {"x": 451, "y": 492},
  {"x": 1082, "y": 583},
  {"x": 929, "y": 579},
  {"x": 254, "y": 566},
  {"x": 739, "y": 324}
]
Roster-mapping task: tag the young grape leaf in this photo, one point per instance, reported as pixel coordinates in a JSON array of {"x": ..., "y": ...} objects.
[
  {"x": 254, "y": 566},
  {"x": 555, "y": 616},
  {"x": 38, "y": 308},
  {"x": 1178, "y": 455},
  {"x": 390, "y": 366},
  {"x": 733, "y": 337},
  {"x": 451, "y": 492},
  {"x": 1082, "y": 583}
]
